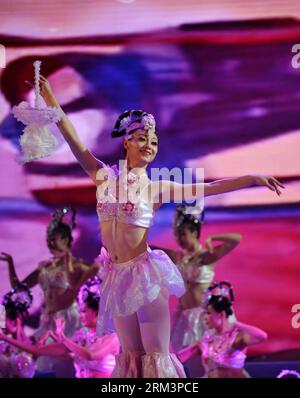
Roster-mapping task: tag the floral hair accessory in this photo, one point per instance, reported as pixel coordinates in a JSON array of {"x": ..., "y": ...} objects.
[
  {"x": 20, "y": 298},
  {"x": 91, "y": 289},
  {"x": 221, "y": 289},
  {"x": 59, "y": 217},
  {"x": 186, "y": 213},
  {"x": 133, "y": 120}
]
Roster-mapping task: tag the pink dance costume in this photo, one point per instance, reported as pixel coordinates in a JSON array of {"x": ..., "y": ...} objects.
[
  {"x": 219, "y": 358},
  {"x": 140, "y": 286},
  {"x": 100, "y": 368},
  {"x": 188, "y": 326},
  {"x": 15, "y": 363}
]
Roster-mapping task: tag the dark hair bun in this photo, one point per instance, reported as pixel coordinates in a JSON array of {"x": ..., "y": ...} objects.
[{"x": 220, "y": 304}]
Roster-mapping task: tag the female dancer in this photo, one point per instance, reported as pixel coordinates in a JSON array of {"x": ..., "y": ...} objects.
[
  {"x": 15, "y": 363},
  {"x": 223, "y": 346},
  {"x": 137, "y": 281},
  {"x": 93, "y": 357},
  {"x": 60, "y": 279},
  {"x": 197, "y": 266}
]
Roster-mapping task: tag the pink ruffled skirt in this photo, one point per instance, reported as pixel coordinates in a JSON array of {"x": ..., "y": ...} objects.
[{"x": 128, "y": 286}]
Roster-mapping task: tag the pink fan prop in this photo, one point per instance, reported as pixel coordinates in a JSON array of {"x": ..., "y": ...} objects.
[{"x": 37, "y": 141}]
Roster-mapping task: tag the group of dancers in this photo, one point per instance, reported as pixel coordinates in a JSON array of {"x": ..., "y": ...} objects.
[{"x": 112, "y": 318}]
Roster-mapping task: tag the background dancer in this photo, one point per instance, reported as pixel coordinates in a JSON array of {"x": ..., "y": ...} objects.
[
  {"x": 60, "y": 278},
  {"x": 92, "y": 356},
  {"x": 15, "y": 363},
  {"x": 197, "y": 265},
  {"x": 224, "y": 345}
]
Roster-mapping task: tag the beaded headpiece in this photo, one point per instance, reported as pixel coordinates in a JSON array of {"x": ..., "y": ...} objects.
[
  {"x": 59, "y": 218},
  {"x": 18, "y": 299},
  {"x": 221, "y": 290},
  {"x": 133, "y": 120},
  {"x": 91, "y": 289},
  {"x": 187, "y": 214}
]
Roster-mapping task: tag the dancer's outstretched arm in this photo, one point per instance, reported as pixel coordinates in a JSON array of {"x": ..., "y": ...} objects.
[
  {"x": 165, "y": 191},
  {"x": 189, "y": 352},
  {"x": 88, "y": 162},
  {"x": 56, "y": 350},
  {"x": 30, "y": 280},
  {"x": 13, "y": 277},
  {"x": 100, "y": 348}
]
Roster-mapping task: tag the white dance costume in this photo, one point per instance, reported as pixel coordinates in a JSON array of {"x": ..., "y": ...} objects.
[
  {"x": 129, "y": 286},
  {"x": 188, "y": 326},
  {"x": 15, "y": 363},
  {"x": 53, "y": 277}
]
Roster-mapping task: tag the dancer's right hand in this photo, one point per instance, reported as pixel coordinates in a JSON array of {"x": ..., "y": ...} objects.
[
  {"x": 6, "y": 257},
  {"x": 209, "y": 245},
  {"x": 45, "y": 87},
  {"x": 60, "y": 326}
]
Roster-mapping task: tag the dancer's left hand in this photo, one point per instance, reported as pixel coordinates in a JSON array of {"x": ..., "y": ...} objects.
[
  {"x": 67, "y": 256},
  {"x": 45, "y": 87},
  {"x": 60, "y": 326},
  {"x": 6, "y": 257},
  {"x": 268, "y": 181},
  {"x": 209, "y": 245}
]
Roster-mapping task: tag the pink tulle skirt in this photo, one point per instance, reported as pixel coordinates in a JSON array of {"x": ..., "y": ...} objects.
[{"x": 128, "y": 286}]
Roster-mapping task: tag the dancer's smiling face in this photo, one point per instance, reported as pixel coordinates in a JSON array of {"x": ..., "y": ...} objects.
[{"x": 141, "y": 148}]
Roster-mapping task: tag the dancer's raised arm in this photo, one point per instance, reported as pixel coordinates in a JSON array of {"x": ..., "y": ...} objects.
[
  {"x": 13, "y": 277},
  {"x": 249, "y": 335},
  {"x": 215, "y": 253},
  {"x": 87, "y": 161},
  {"x": 189, "y": 352},
  {"x": 164, "y": 191}
]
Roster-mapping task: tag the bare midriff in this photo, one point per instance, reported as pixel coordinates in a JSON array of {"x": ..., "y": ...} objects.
[
  {"x": 123, "y": 241},
  {"x": 57, "y": 299}
]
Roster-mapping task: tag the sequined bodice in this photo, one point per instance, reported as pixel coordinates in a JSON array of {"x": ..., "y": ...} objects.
[
  {"x": 87, "y": 338},
  {"x": 217, "y": 350},
  {"x": 194, "y": 272},
  {"x": 132, "y": 208},
  {"x": 53, "y": 276},
  {"x": 15, "y": 363}
]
